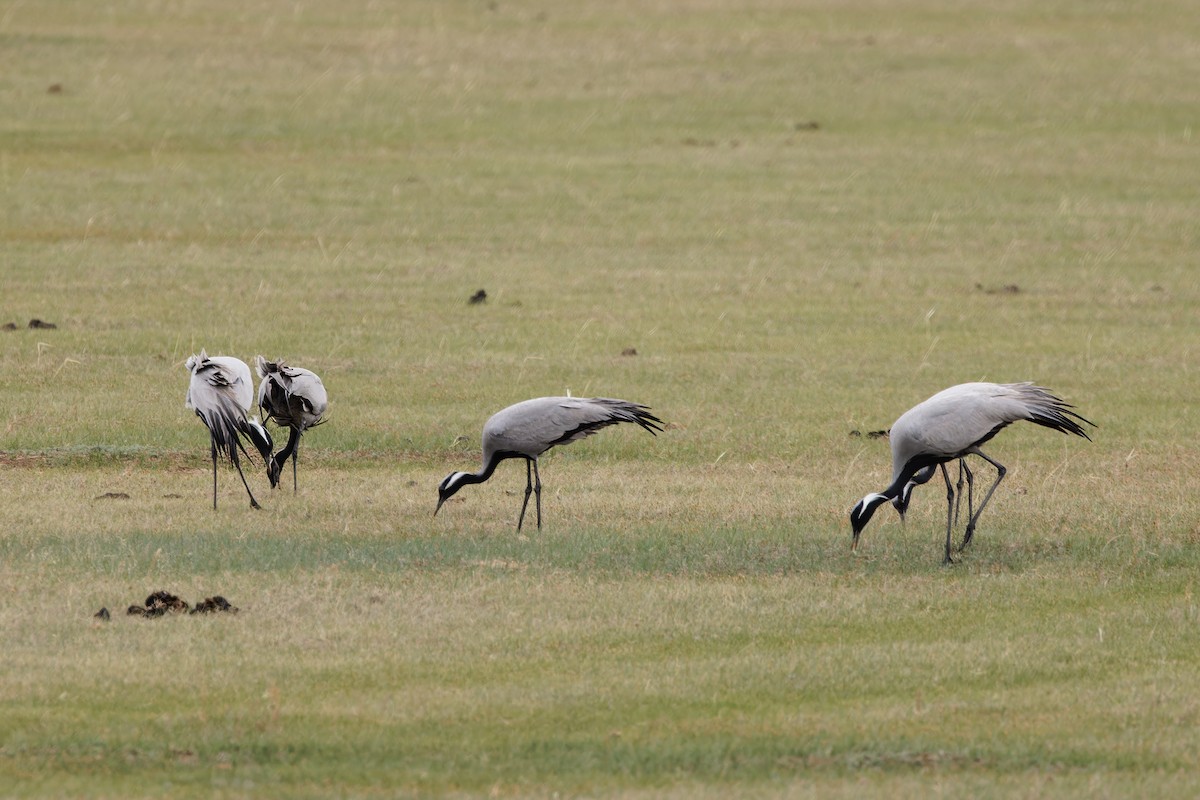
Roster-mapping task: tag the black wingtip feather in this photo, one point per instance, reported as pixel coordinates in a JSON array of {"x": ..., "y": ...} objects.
[{"x": 1060, "y": 416}]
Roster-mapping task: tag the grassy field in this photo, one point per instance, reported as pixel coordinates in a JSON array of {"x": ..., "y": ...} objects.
[{"x": 803, "y": 217}]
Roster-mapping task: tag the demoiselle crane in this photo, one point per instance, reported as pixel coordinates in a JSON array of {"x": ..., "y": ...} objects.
[
  {"x": 954, "y": 423},
  {"x": 221, "y": 392},
  {"x": 528, "y": 429},
  {"x": 295, "y": 398}
]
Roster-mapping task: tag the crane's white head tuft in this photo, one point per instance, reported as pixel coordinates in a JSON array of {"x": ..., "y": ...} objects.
[
  {"x": 449, "y": 487},
  {"x": 862, "y": 512}
]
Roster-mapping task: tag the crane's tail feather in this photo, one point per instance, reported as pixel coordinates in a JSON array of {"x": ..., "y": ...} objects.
[
  {"x": 614, "y": 412},
  {"x": 641, "y": 415},
  {"x": 1051, "y": 411},
  {"x": 625, "y": 411},
  {"x": 228, "y": 426}
]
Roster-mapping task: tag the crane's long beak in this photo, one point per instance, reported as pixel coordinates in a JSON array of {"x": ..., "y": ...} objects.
[
  {"x": 854, "y": 542},
  {"x": 439, "y": 505}
]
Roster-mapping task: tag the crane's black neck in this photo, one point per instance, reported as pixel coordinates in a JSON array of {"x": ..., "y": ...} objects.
[
  {"x": 489, "y": 466},
  {"x": 293, "y": 441},
  {"x": 914, "y": 465}
]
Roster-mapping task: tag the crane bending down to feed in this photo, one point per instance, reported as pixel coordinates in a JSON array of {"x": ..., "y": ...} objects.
[
  {"x": 220, "y": 392},
  {"x": 900, "y": 502},
  {"x": 528, "y": 429},
  {"x": 295, "y": 398},
  {"x": 954, "y": 423}
]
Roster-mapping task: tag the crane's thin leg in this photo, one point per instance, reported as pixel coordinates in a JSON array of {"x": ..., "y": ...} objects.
[
  {"x": 1000, "y": 470},
  {"x": 949, "y": 512},
  {"x": 297, "y": 450},
  {"x": 214, "y": 455},
  {"x": 253, "y": 502},
  {"x": 970, "y": 487},
  {"x": 529, "y": 491},
  {"x": 537, "y": 487},
  {"x": 958, "y": 487}
]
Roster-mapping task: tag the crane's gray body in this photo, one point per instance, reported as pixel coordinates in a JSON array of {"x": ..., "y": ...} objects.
[
  {"x": 530, "y": 428},
  {"x": 219, "y": 382},
  {"x": 293, "y": 397},
  {"x": 956, "y": 420},
  {"x": 220, "y": 392},
  {"x": 954, "y": 423}
]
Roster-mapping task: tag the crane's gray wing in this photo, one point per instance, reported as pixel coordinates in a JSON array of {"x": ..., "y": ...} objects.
[
  {"x": 292, "y": 396},
  {"x": 215, "y": 400},
  {"x": 237, "y": 375},
  {"x": 307, "y": 397},
  {"x": 968, "y": 415},
  {"x": 534, "y": 426},
  {"x": 598, "y": 413}
]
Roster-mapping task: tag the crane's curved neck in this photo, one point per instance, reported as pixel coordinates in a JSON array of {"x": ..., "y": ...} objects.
[
  {"x": 909, "y": 471},
  {"x": 489, "y": 466},
  {"x": 293, "y": 440}
]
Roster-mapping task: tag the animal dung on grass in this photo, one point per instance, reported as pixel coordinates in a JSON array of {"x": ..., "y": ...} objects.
[
  {"x": 1008, "y": 288},
  {"x": 161, "y": 603},
  {"x": 157, "y": 604},
  {"x": 112, "y": 496},
  {"x": 477, "y": 298},
  {"x": 34, "y": 325},
  {"x": 210, "y": 605}
]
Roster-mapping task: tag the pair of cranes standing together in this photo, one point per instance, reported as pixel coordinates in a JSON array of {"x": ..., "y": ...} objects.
[
  {"x": 221, "y": 393},
  {"x": 949, "y": 426}
]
